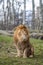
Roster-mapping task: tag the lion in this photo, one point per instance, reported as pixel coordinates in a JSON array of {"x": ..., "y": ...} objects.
[{"x": 22, "y": 43}]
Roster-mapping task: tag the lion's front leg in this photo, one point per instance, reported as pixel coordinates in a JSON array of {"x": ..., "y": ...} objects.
[
  {"x": 19, "y": 53},
  {"x": 25, "y": 53}
]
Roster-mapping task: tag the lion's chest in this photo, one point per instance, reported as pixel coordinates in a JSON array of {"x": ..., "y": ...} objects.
[{"x": 22, "y": 45}]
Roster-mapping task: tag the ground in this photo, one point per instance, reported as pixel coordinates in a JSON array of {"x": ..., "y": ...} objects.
[{"x": 7, "y": 52}]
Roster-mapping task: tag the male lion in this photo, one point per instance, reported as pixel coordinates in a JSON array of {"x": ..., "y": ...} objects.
[{"x": 21, "y": 42}]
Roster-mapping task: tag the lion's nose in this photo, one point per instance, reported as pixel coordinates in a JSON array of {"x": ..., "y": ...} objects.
[{"x": 23, "y": 37}]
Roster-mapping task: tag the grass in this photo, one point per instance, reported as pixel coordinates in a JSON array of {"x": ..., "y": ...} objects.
[
  {"x": 7, "y": 50},
  {"x": 6, "y": 39}
]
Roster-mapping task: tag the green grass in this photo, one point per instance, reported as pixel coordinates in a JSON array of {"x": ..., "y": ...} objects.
[
  {"x": 6, "y": 39},
  {"x": 8, "y": 58}
]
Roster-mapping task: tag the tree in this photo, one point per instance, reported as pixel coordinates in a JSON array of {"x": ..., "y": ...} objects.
[
  {"x": 8, "y": 13},
  {"x": 33, "y": 15},
  {"x": 41, "y": 8},
  {"x": 1, "y": 1},
  {"x": 24, "y": 13},
  {"x": 13, "y": 11},
  {"x": 4, "y": 14},
  {"x": 3, "y": 8}
]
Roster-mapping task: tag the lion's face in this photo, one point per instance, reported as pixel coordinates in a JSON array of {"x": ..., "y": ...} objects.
[{"x": 22, "y": 34}]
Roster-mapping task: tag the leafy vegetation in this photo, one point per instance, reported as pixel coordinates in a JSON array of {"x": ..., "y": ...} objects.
[{"x": 7, "y": 50}]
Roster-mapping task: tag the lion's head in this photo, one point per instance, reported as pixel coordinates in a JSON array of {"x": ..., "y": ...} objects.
[{"x": 22, "y": 33}]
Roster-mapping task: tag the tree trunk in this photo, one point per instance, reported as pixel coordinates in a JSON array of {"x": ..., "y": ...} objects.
[
  {"x": 24, "y": 12},
  {"x": 33, "y": 15}
]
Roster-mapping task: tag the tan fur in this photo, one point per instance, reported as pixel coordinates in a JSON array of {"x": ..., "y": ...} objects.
[{"x": 21, "y": 42}]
